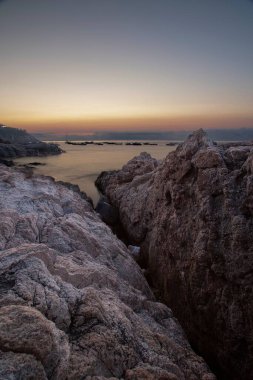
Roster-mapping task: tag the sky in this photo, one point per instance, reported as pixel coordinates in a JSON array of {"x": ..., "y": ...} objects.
[{"x": 137, "y": 65}]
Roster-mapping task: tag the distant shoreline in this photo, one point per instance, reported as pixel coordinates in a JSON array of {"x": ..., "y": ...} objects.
[{"x": 238, "y": 134}]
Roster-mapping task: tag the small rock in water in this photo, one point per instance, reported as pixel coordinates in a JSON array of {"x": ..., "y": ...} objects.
[{"x": 35, "y": 163}]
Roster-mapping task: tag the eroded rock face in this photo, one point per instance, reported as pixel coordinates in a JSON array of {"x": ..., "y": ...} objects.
[
  {"x": 192, "y": 216},
  {"x": 73, "y": 302}
]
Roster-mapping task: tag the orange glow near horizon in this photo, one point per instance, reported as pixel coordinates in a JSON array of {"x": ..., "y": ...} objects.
[
  {"x": 72, "y": 108},
  {"x": 138, "y": 124},
  {"x": 110, "y": 117}
]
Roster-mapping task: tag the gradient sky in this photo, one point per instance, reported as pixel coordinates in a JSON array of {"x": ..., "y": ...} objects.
[{"x": 85, "y": 65}]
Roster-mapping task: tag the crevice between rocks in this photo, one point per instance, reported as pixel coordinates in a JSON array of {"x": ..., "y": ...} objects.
[{"x": 143, "y": 261}]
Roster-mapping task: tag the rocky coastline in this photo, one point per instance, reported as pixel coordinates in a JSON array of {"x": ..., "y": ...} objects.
[
  {"x": 191, "y": 216},
  {"x": 16, "y": 143},
  {"x": 74, "y": 303}
]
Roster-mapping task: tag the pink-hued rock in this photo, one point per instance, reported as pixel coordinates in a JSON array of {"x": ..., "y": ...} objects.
[
  {"x": 192, "y": 217},
  {"x": 23, "y": 329},
  {"x": 73, "y": 302}
]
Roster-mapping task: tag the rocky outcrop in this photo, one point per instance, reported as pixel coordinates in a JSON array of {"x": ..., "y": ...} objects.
[
  {"x": 18, "y": 143},
  {"x": 73, "y": 302},
  {"x": 192, "y": 217}
]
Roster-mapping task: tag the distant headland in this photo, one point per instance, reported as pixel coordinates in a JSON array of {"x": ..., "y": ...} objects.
[{"x": 15, "y": 142}]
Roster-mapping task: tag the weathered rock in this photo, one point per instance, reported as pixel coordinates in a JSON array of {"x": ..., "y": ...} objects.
[
  {"x": 20, "y": 366},
  {"x": 140, "y": 165},
  {"x": 192, "y": 217},
  {"x": 73, "y": 302},
  {"x": 76, "y": 189},
  {"x": 23, "y": 329}
]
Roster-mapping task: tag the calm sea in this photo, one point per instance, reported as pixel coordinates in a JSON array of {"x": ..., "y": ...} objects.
[{"x": 81, "y": 165}]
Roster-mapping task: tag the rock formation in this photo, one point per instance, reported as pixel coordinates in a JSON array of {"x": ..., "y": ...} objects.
[
  {"x": 16, "y": 142},
  {"x": 73, "y": 302},
  {"x": 192, "y": 216}
]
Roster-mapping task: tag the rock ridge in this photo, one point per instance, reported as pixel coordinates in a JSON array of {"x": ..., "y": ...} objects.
[{"x": 191, "y": 214}]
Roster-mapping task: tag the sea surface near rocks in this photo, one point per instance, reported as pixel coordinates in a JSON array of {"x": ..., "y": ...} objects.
[{"x": 81, "y": 165}]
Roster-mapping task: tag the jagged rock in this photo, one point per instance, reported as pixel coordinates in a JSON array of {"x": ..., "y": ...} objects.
[
  {"x": 76, "y": 189},
  {"x": 192, "y": 217},
  {"x": 73, "y": 302},
  {"x": 140, "y": 165}
]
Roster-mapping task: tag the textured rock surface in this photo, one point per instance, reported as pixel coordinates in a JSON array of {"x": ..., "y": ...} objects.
[
  {"x": 73, "y": 302},
  {"x": 192, "y": 216}
]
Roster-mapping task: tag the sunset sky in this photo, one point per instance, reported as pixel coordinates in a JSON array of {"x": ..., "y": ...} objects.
[{"x": 90, "y": 65}]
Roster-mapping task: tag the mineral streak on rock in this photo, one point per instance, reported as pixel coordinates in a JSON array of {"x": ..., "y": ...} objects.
[
  {"x": 192, "y": 216},
  {"x": 73, "y": 302}
]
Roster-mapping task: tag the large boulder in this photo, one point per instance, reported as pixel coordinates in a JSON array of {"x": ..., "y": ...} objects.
[
  {"x": 73, "y": 302},
  {"x": 192, "y": 217}
]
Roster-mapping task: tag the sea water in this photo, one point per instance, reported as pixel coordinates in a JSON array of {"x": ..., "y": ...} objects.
[{"x": 81, "y": 165}]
